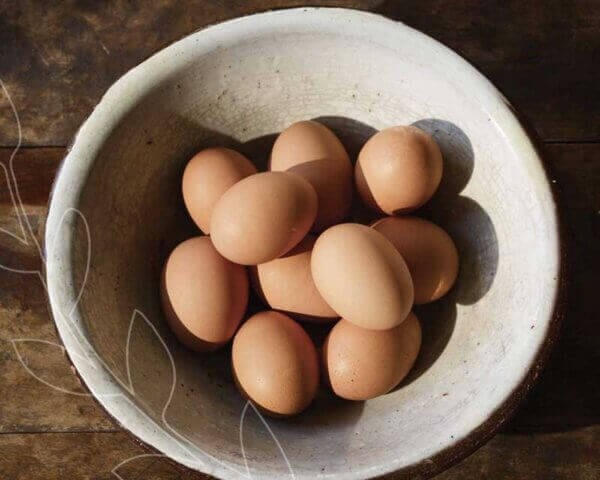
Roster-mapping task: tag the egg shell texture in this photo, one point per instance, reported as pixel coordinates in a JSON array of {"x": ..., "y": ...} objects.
[
  {"x": 275, "y": 363},
  {"x": 429, "y": 252},
  {"x": 313, "y": 151},
  {"x": 361, "y": 275},
  {"x": 207, "y": 176},
  {"x": 398, "y": 169},
  {"x": 204, "y": 295},
  {"x": 359, "y": 364},
  {"x": 286, "y": 284},
  {"x": 262, "y": 217}
]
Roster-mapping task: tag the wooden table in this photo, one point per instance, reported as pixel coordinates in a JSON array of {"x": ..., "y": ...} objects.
[{"x": 57, "y": 60}]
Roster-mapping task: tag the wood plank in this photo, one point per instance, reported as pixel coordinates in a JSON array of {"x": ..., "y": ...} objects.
[
  {"x": 61, "y": 456},
  {"x": 93, "y": 455},
  {"x": 38, "y": 389},
  {"x": 543, "y": 55},
  {"x": 34, "y": 169},
  {"x": 569, "y": 455},
  {"x": 28, "y": 368}
]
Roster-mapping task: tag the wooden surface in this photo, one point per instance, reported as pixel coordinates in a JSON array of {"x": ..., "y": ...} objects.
[{"x": 56, "y": 61}]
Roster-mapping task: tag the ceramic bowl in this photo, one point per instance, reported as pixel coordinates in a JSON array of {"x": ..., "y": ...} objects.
[{"x": 116, "y": 212}]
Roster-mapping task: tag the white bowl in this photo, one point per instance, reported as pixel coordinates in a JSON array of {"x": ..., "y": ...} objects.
[{"x": 116, "y": 212}]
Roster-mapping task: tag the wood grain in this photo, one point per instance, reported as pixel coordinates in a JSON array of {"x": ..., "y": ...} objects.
[
  {"x": 562, "y": 411},
  {"x": 542, "y": 55},
  {"x": 82, "y": 456},
  {"x": 34, "y": 169},
  {"x": 569, "y": 455},
  {"x": 57, "y": 59},
  {"x": 31, "y": 359},
  {"x": 94, "y": 455}
]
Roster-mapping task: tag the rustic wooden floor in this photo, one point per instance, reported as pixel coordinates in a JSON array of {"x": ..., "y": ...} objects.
[{"x": 57, "y": 60}]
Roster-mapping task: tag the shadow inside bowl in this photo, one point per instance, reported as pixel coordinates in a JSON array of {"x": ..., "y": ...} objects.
[
  {"x": 203, "y": 390},
  {"x": 352, "y": 133},
  {"x": 328, "y": 410},
  {"x": 438, "y": 320},
  {"x": 463, "y": 218}
]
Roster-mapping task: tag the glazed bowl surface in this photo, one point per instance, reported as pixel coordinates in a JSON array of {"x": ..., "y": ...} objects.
[{"x": 116, "y": 212}]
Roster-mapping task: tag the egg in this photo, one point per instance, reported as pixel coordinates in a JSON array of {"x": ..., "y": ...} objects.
[
  {"x": 361, "y": 275},
  {"x": 312, "y": 151},
  {"x": 263, "y": 217},
  {"x": 398, "y": 169},
  {"x": 286, "y": 284},
  {"x": 429, "y": 252},
  {"x": 359, "y": 364},
  {"x": 275, "y": 364},
  {"x": 303, "y": 142},
  {"x": 204, "y": 296},
  {"x": 207, "y": 176}
]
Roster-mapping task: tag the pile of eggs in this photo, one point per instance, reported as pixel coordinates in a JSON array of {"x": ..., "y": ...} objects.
[{"x": 282, "y": 233}]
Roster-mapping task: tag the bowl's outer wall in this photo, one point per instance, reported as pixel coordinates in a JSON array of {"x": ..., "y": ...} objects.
[{"x": 116, "y": 212}]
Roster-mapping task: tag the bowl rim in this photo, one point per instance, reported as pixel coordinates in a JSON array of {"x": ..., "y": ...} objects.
[{"x": 476, "y": 438}]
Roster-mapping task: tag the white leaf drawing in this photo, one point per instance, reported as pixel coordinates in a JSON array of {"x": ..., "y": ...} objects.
[
  {"x": 22, "y": 238},
  {"x": 11, "y": 181},
  {"x": 115, "y": 472},
  {"x": 249, "y": 404},
  {"x": 26, "y": 236},
  {"x": 67, "y": 220},
  {"x": 20, "y": 342},
  {"x": 139, "y": 316},
  {"x": 189, "y": 448}
]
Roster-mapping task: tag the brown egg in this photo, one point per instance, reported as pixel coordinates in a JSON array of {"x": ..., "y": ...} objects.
[
  {"x": 262, "y": 217},
  {"x": 312, "y": 151},
  {"x": 429, "y": 252},
  {"x": 359, "y": 364},
  {"x": 303, "y": 142},
  {"x": 362, "y": 276},
  {"x": 207, "y": 176},
  {"x": 204, "y": 296},
  {"x": 398, "y": 169},
  {"x": 286, "y": 284},
  {"x": 275, "y": 363}
]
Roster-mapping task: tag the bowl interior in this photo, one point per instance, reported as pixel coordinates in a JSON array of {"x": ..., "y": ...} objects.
[{"x": 117, "y": 212}]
